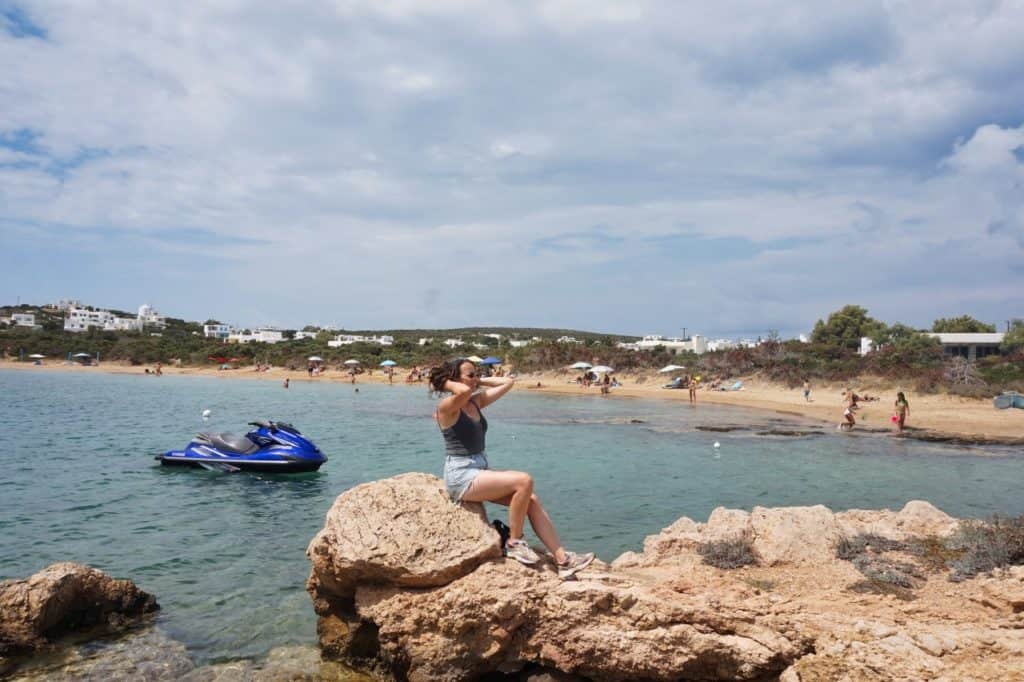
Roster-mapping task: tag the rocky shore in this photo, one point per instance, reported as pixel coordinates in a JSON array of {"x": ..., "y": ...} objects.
[{"x": 409, "y": 586}]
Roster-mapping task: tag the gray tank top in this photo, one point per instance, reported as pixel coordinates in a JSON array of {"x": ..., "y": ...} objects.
[{"x": 466, "y": 436}]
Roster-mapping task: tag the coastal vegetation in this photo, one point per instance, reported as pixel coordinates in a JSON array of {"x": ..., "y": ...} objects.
[{"x": 900, "y": 352}]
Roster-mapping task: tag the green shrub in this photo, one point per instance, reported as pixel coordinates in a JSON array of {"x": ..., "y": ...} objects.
[{"x": 986, "y": 546}]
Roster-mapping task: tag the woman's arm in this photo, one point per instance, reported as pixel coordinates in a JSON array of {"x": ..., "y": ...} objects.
[
  {"x": 448, "y": 409},
  {"x": 496, "y": 387}
]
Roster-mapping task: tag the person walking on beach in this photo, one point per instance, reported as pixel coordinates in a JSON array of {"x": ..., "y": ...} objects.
[
  {"x": 902, "y": 411},
  {"x": 807, "y": 390},
  {"x": 693, "y": 389},
  {"x": 467, "y": 473},
  {"x": 606, "y": 384}
]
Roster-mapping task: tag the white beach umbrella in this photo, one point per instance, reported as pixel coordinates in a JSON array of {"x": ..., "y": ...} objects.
[
  {"x": 351, "y": 362},
  {"x": 670, "y": 368},
  {"x": 602, "y": 369},
  {"x": 81, "y": 355},
  {"x": 37, "y": 356},
  {"x": 388, "y": 363},
  {"x": 580, "y": 365},
  {"x": 315, "y": 358}
]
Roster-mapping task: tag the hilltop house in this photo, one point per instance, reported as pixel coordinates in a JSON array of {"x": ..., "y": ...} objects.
[{"x": 217, "y": 331}]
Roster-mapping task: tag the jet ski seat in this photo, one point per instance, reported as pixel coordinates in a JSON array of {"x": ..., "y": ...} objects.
[{"x": 229, "y": 442}]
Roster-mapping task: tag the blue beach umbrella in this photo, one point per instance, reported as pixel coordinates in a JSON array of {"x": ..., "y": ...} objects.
[
  {"x": 388, "y": 363},
  {"x": 491, "y": 360}
]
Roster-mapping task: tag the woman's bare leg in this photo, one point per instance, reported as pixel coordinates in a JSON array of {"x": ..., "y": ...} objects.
[
  {"x": 511, "y": 488},
  {"x": 542, "y": 526}
]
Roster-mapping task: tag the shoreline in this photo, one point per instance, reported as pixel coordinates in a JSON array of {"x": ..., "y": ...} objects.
[{"x": 935, "y": 418}]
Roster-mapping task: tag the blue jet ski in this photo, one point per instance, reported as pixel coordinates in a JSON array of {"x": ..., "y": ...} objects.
[{"x": 274, "y": 447}]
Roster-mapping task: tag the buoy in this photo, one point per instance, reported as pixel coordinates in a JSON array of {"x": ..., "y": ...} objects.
[
  {"x": 206, "y": 414},
  {"x": 717, "y": 444}
]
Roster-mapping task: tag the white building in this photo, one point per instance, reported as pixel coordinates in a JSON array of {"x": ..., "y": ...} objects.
[
  {"x": 124, "y": 324},
  {"x": 969, "y": 346},
  {"x": 66, "y": 304},
  {"x": 268, "y": 335},
  {"x": 453, "y": 343},
  {"x": 695, "y": 344},
  {"x": 23, "y": 319},
  {"x": 305, "y": 335},
  {"x": 425, "y": 340},
  {"x": 349, "y": 339},
  {"x": 80, "y": 320},
  {"x": 216, "y": 331},
  {"x": 566, "y": 339},
  {"x": 519, "y": 343},
  {"x": 149, "y": 315}
]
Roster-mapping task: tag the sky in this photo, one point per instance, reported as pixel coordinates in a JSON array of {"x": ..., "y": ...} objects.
[{"x": 639, "y": 168}]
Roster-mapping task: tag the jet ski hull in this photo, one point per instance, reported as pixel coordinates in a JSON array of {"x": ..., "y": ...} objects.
[{"x": 273, "y": 447}]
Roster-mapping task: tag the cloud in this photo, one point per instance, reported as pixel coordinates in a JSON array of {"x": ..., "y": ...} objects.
[{"x": 733, "y": 166}]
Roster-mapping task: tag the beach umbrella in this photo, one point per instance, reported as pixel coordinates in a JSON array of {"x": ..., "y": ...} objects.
[
  {"x": 474, "y": 358},
  {"x": 37, "y": 356},
  {"x": 670, "y": 368},
  {"x": 490, "y": 360},
  {"x": 602, "y": 369},
  {"x": 81, "y": 355},
  {"x": 351, "y": 362},
  {"x": 580, "y": 365},
  {"x": 388, "y": 363},
  {"x": 315, "y": 358}
]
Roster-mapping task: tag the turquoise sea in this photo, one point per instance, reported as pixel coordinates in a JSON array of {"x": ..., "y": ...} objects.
[{"x": 224, "y": 553}]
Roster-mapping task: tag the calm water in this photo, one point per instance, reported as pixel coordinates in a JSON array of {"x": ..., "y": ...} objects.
[{"x": 224, "y": 553}]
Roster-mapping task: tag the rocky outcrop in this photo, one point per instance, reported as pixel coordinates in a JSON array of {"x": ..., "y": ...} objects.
[
  {"x": 63, "y": 598},
  {"x": 412, "y": 587}
]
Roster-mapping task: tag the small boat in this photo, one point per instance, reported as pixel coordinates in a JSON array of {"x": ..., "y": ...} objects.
[
  {"x": 274, "y": 447},
  {"x": 1008, "y": 399}
]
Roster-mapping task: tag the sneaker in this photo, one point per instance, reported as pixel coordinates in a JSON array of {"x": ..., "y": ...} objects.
[
  {"x": 574, "y": 562},
  {"x": 521, "y": 552}
]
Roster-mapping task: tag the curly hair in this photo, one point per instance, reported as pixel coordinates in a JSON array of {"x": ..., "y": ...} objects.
[{"x": 449, "y": 370}]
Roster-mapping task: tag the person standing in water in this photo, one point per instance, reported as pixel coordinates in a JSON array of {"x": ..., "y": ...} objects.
[
  {"x": 286, "y": 382},
  {"x": 467, "y": 473},
  {"x": 693, "y": 388},
  {"x": 902, "y": 411},
  {"x": 850, "y": 400}
]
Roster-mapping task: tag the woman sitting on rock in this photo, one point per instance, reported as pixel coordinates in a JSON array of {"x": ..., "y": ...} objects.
[{"x": 467, "y": 474}]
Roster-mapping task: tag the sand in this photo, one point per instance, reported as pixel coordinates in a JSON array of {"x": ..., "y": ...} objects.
[{"x": 931, "y": 416}]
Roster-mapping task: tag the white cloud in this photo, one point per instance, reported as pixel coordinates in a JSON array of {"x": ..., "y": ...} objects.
[{"x": 552, "y": 149}]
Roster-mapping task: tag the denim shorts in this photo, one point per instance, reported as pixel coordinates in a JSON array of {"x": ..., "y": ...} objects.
[{"x": 459, "y": 472}]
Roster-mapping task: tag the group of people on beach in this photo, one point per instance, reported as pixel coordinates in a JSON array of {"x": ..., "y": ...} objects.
[{"x": 851, "y": 403}]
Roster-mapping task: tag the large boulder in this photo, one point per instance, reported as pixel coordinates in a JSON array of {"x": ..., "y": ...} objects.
[
  {"x": 63, "y": 598},
  {"x": 399, "y": 531},
  {"x": 801, "y": 614},
  {"x": 407, "y": 583}
]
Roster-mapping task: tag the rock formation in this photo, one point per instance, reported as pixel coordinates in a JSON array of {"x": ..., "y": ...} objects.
[
  {"x": 63, "y": 598},
  {"x": 413, "y": 587}
]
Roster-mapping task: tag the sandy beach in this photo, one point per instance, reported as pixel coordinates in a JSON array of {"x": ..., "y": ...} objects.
[{"x": 931, "y": 416}]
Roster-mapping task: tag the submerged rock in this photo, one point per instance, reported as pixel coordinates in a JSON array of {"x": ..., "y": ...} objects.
[{"x": 61, "y": 599}]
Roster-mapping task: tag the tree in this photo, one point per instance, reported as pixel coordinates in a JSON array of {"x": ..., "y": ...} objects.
[
  {"x": 1013, "y": 341},
  {"x": 845, "y": 327},
  {"x": 965, "y": 324}
]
